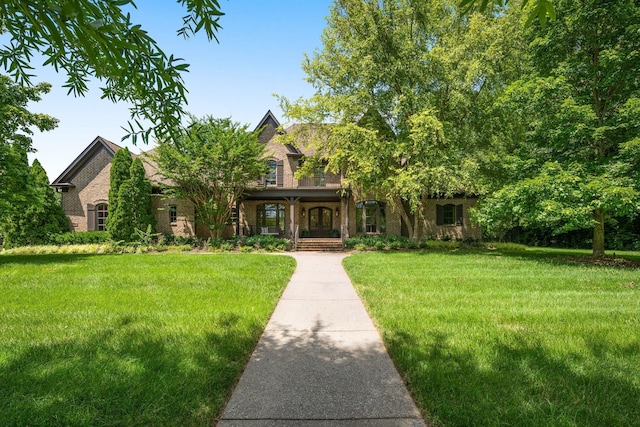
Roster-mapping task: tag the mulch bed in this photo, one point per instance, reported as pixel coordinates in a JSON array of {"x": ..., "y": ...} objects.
[{"x": 607, "y": 261}]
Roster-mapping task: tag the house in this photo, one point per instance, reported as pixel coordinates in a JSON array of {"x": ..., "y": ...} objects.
[
  {"x": 84, "y": 187},
  {"x": 279, "y": 203}
]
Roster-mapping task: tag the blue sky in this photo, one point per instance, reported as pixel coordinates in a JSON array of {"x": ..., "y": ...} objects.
[{"x": 262, "y": 45}]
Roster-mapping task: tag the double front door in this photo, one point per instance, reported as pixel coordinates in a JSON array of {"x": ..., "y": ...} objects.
[{"x": 320, "y": 222}]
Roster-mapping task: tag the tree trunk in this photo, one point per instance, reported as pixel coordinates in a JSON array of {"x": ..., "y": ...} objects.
[
  {"x": 405, "y": 217},
  {"x": 598, "y": 233},
  {"x": 417, "y": 227}
]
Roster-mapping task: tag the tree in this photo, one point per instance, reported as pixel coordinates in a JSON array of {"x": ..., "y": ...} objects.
[
  {"x": 96, "y": 38},
  {"x": 41, "y": 217},
  {"x": 575, "y": 122},
  {"x": 405, "y": 84},
  {"x": 16, "y": 123},
  {"x": 134, "y": 209},
  {"x": 119, "y": 173},
  {"x": 541, "y": 9},
  {"x": 211, "y": 165},
  {"x": 53, "y": 219}
]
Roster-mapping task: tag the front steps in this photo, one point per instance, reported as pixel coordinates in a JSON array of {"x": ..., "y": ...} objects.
[{"x": 320, "y": 245}]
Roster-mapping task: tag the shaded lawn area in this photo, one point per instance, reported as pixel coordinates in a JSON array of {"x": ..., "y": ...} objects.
[
  {"x": 488, "y": 338},
  {"x": 129, "y": 339}
]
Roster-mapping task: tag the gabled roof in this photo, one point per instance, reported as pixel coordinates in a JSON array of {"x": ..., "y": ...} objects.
[
  {"x": 64, "y": 180},
  {"x": 151, "y": 169},
  {"x": 268, "y": 127},
  {"x": 268, "y": 119}
]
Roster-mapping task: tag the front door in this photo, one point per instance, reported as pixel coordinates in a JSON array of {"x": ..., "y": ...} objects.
[{"x": 320, "y": 222}]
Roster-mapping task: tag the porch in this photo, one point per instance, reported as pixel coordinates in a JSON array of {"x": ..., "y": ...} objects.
[{"x": 295, "y": 215}]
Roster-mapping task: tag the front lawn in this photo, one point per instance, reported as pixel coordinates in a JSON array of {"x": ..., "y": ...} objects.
[
  {"x": 526, "y": 338},
  {"x": 129, "y": 339}
]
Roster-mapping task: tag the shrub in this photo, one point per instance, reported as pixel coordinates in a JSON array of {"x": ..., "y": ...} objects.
[
  {"x": 94, "y": 248},
  {"x": 192, "y": 241},
  {"x": 147, "y": 237},
  {"x": 227, "y": 247},
  {"x": 78, "y": 238},
  {"x": 379, "y": 243},
  {"x": 268, "y": 243}
]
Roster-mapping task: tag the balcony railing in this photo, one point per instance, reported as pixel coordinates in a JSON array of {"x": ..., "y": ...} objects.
[{"x": 325, "y": 180}]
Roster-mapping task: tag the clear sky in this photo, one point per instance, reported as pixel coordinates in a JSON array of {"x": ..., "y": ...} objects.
[{"x": 262, "y": 45}]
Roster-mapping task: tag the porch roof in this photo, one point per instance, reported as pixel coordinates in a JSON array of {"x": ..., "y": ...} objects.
[{"x": 316, "y": 194}]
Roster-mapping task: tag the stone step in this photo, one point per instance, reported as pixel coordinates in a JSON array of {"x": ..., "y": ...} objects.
[{"x": 320, "y": 245}]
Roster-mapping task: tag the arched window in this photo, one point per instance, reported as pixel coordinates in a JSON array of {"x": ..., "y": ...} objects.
[
  {"x": 370, "y": 217},
  {"x": 102, "y": 212},
  {"x": 271, "y": 174},
  {"x": 270, "y": 218}
]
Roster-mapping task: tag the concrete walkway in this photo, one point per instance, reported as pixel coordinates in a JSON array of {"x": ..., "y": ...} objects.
[{"x": 320, "y": 360}]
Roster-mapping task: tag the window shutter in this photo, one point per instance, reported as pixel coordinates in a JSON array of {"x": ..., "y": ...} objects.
[
  {"x": 439, "y": 215},
  {"x": 279, "y": 173},
  {"x": 458, "y": 214},
  {"x": 91, "y": 217}
]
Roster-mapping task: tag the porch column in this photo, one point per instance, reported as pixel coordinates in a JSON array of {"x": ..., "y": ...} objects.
[{"x": 292, "y": 218}]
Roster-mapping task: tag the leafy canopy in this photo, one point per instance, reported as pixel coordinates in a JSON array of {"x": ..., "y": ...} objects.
[
  {"x": 541, "y": 9},
  {"x": 133, "y": 212},
  {"x": 211, "y": 164},
  {"x": 32, "y": 222},
  {"x": 404, "y": 85},
  {"x": 119, "y": 173},
  {"x": 16, "y": 124},
  {"x": 96, "y": 38},
  {"x": 573, "y": 122}
]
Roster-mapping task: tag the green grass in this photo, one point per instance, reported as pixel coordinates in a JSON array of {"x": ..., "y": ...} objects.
[
  {"x": 492, "y": 338},
  {"x": 129, "y": 339}
]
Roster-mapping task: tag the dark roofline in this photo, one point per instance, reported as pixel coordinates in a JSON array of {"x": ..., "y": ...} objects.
[
  {"x": 63, "y": 179},
  {"x": 262, "y": 122}
]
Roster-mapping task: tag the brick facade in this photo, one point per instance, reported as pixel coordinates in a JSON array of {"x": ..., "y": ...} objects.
[
  {"x": 184, "y": 225},
  {"x": 430, "y": 228},
  {"x": 454, "y": 232},
  {"x": 85, "y": 184},
  {"x": 91, "y": 187}
]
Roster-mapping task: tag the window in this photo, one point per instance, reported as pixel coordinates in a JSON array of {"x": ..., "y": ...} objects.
[
  {"x": 370, "y": 217},
  {"x": 319, "y": 177},
  {"x": 101, "y": 216},
  {"x": 270, "y": 218},
  {"x": 449, "y": 214},
  {"x": 271, "y": 175},
  {"x": 173, "y": 213}
]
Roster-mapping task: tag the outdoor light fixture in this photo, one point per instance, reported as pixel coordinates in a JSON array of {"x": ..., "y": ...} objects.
[
  {"x": 303, "y": 212},
  {"x": 337, "y": 211}
]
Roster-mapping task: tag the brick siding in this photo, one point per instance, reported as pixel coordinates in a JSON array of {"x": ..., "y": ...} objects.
[{"x": 91, "y": 187}]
